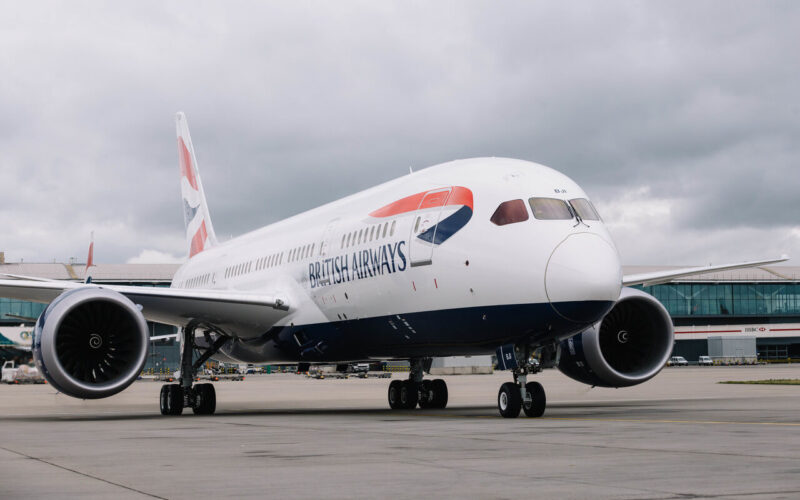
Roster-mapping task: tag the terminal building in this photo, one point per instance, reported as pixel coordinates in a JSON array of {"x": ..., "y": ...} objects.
[{"x": 755, "y": 303}]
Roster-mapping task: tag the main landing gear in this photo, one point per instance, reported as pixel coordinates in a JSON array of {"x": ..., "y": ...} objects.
[
  {"x": 520, "y": 394},
  {"x": 407, "y": 394},
  {"x": 201, "y": 398}
]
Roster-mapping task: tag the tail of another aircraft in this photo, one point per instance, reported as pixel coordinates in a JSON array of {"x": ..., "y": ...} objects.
[{"x": 199, "y": 231}]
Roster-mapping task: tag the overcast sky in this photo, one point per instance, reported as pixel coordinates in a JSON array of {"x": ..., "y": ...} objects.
[{"x": 681, "y": 120}]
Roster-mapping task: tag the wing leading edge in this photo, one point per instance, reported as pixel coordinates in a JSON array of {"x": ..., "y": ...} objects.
[
  {"x": 657, "y": 277},
  {"x": 240, "y": 313}
]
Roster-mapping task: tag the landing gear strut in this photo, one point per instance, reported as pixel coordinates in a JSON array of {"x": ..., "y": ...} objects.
[
  {"x": 201, "y": 398},
  {"x": 407, "y": 394},
  {"x": 520, "y": 394}
]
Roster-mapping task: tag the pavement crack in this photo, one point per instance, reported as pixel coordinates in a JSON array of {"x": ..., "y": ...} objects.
[{"x": 84, "y": 474}]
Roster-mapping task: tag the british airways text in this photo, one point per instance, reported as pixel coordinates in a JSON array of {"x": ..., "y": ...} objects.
[{"x": 385, "y": 259}]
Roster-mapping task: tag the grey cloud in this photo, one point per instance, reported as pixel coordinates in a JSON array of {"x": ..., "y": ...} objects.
[{"x": 291, "y": 106}]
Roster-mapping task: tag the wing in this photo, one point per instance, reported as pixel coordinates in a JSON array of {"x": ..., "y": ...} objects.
[
  {"x": 243, "y": 313},
  {"x": 655, "y": 278}
]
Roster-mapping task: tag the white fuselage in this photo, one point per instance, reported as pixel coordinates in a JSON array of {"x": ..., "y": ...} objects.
[{"x": 367, "y": 256}]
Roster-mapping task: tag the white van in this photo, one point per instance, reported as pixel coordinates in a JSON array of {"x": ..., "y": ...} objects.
[{"x": 677, "y": 361}]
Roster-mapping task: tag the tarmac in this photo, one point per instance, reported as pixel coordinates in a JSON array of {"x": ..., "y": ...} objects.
[{"x": 680, "y": 435}]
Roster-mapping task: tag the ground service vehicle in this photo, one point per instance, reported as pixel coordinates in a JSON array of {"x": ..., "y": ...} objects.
[{"x": 677, "y": 361}]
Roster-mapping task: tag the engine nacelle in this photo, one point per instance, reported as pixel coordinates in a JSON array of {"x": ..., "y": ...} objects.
[
  {"x": 90, "y": 342},
  {"x": 630, "y": 345}
]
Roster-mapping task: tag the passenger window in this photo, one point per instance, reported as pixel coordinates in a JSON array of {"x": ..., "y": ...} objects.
[
  {"x": 416, "y": 225},
  {"x": 510, "y": 212},
  {"x": 360, "y": 233},
  {"x": 391, "y": 231},
  {"x": 550, "y": 209},
  {"x": 584, "y": 209},
  {"x": 371, "y": 233},
  {"x": 385, "y": 227}
]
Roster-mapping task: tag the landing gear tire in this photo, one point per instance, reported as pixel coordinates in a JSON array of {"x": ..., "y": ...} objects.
[
  {"x": 433, "y": 394},
  {"x": 409, "y": 395},
  {"x": 538, "y": 401},
  {"x": 439, "y": 388},
  {"x": 171, "y": 399},
  {"x": 205, "y": 399},
  {"x": 426, "y": 394},
  {"x": 509, "y": 400},
  {"x": 394, "y": 394}
]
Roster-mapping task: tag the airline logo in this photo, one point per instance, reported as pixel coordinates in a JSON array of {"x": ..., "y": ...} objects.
[
  {"x": 195, "y": 225},
  {"x": 452, "y": 205}
]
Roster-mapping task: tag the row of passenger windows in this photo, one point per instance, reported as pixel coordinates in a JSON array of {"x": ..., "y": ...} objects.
[
  {"x": 374, "y": 232},
  {"x": 364, "y": 235},
  {"x": 198, "y": 281},
  {"x": 512, "y": 211}
]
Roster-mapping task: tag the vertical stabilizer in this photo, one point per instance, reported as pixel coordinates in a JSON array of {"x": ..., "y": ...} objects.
[
  {"x": 199, "y": 231},
  {"x": 89, "y": 259}
]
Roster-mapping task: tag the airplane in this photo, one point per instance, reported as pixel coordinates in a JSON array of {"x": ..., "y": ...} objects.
[{"x": 470, "y": 257}]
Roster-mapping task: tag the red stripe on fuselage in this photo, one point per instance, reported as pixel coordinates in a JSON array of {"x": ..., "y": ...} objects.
[
  {"x": 187, "y": 169},
  {"x": 457, "y": 196},
  {"x": 198, "y": 240}
]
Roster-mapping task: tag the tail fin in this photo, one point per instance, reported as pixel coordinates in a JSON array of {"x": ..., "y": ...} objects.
[
  {"x": 89, "y": 260},
  {"x": 199, "y": 231}
]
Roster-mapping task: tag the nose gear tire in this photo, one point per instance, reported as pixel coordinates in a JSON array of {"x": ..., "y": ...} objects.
[
  {"x": 509, "y": 400},
  {"x": 538, "y": 401}
]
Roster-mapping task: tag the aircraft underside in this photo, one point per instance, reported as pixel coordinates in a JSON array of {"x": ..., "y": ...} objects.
[{"x": 440, "y": 333}]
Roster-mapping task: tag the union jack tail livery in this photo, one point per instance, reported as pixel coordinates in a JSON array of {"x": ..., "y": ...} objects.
[{"x": 199, "y": 231}]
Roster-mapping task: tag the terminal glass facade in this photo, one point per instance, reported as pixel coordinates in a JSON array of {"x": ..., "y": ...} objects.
[
  {"x": 728, "y": 299},
  {"x": 19, "y": 308}
]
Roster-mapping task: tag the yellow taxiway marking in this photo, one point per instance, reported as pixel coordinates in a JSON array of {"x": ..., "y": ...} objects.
[
  {"x": 666, "y": 421},
  {"x": 628, "y": 420}
]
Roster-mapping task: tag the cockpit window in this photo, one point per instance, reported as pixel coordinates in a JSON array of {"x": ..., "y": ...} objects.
[
  {"x": 584, "y": 209},
  {"x": 550, "y": 208},
  {"x": 510, "y": 212}
]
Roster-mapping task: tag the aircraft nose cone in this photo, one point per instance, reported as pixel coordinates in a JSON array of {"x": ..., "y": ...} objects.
[{"x": 583, "y": 278}]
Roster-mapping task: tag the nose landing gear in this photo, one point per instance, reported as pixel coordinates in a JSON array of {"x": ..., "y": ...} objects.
[{"x": 519, "y": 394}]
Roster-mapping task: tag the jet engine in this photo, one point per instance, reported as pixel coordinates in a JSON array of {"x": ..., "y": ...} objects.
[
  {"x": 90, "y": 342},
  {"x": 628, "y": 346}
]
